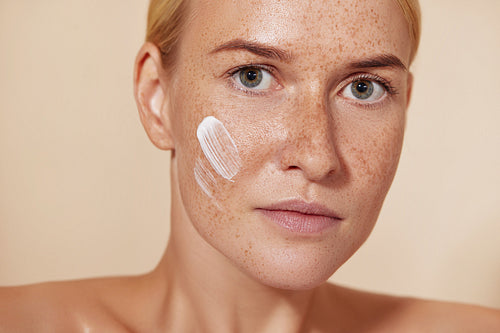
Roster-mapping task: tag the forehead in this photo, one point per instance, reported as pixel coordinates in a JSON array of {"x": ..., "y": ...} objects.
[{"x": 321, "y": 27}]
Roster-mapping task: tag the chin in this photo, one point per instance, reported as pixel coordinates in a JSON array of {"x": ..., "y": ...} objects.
[
  {"x": 294, "y": 272},
  {"x": 293, "y": 282}
]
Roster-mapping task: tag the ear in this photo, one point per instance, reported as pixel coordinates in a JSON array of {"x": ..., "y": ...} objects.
[
  {"x": 151, "y": 97},
  {"x": 409, "y": 89}
]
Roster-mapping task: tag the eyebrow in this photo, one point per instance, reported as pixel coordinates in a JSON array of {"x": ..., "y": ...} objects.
[
  {"x": 271, "y": 52},
  {"x": 378, "y": 61},
  {"x": 256, "y": 48}
]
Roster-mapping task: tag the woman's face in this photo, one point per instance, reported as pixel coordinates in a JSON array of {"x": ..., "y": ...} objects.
[{"x": 288, "y": 120}]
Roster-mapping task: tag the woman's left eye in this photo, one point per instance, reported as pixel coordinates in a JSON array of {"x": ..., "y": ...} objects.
[
  {"x": 253, "y": 78},
  {"x": 364, "y": 90}
]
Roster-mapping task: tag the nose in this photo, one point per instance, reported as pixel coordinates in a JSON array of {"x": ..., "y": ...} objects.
[{"x": 310, "y": 145}]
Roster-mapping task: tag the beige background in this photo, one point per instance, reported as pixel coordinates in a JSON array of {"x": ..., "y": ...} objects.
[{"x": 83, "y": 192}]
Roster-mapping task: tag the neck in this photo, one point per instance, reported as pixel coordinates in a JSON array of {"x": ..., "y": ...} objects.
[
  {"x": 222, "y": 303},
  {"x": 201, "y": 283}
]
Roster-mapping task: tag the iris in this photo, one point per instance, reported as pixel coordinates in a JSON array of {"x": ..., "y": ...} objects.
[
  {"x": 362, "y": 89},
  {"x": 251, "y": 77}
]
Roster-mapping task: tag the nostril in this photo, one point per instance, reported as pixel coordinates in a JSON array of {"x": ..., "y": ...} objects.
[{"x": 315, "y": 167}]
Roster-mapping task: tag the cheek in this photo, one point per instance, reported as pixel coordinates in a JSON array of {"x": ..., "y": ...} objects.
[
  {"x": 222, "y": 141},
  {"x": 208, "y": 162},
  {"x": 376, "y": 157},
  {"x": 220, "y": 155},
  {"x": 373, "y": 160}
]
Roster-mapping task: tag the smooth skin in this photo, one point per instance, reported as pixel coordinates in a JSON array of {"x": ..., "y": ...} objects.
[{"x": 301, "y": 135}]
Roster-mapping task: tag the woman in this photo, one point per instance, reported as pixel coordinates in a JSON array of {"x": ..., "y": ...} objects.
[{"x": 285, "y": 121}]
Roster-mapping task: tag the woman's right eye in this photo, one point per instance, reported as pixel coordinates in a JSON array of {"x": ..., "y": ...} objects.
[{"x": 254, "y": 78}]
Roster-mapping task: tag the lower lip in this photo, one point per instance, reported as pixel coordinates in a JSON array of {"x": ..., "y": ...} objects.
[{"x": 300, "y": 223}]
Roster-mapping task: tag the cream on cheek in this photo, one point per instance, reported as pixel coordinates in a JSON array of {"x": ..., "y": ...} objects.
[{"x": 221, "y": 155}]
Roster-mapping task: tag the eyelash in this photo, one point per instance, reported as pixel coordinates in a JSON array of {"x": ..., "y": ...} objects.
[
  {"x": 229, "y": 75},
  {"x": 386, "y": 84},
  {"x": 388, "y": 87}
]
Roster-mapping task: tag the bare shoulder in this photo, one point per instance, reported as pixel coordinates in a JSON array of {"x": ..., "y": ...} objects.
[
  {"x": 73, "y": 306},
  {"x": 453, "y": 317},
  {"x": 385, "y": 313}
]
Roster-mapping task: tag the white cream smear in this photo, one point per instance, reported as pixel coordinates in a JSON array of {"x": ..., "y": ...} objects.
[
  {"x": 204, "y": 177},
  {"x": 220, "y": 152}
]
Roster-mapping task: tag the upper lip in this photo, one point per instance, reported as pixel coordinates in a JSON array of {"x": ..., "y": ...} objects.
[{"x": 309, "y": 208}]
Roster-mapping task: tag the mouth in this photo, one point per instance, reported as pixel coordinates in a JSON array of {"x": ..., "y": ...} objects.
[{"x": 301, "y": 217}]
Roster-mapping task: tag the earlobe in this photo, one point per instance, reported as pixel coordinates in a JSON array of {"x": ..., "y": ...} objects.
[{"x": 151, "y": 97}]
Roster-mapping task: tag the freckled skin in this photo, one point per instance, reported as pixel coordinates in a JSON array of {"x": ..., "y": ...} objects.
[
  {"x": 300, "y": 141},
  {"x": 227, "y": 268}
]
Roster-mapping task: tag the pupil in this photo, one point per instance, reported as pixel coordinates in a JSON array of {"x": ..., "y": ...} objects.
[
  {"x": 362, "y": 87},
  {"x": 251, "y": 75}
]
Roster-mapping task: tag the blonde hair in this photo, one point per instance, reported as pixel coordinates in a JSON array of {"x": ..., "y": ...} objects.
[
  {"x": 166, "y": 18},
  {"x": 165, "y": 21},
  {"x": 413, "y": 16}
]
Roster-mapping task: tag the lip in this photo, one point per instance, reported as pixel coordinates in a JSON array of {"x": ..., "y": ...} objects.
[{"x": 301, "y": 217}]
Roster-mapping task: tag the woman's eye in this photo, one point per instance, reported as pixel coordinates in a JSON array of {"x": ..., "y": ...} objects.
[
  {"x": 253, "y": 78},
  {"x": 364, "y": 90}
]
